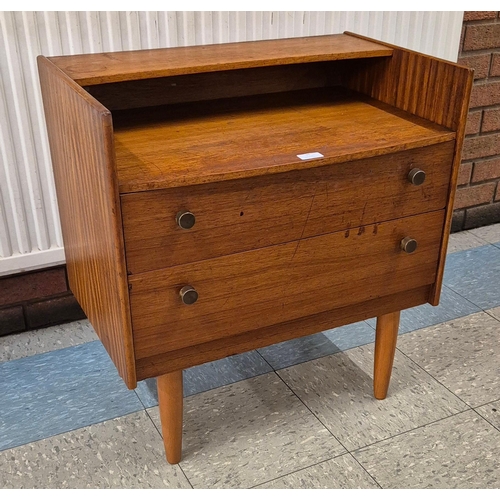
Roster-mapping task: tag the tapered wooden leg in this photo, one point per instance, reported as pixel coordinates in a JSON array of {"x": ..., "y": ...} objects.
[
  {"x": 170, "y": 402},
  {"x": 385, "y": 347}
]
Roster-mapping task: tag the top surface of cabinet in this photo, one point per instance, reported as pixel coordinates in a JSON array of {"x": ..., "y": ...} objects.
[{"x": 91, "y": 69}]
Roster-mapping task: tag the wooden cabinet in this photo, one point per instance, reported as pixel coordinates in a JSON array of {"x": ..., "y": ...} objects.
[{"x": 222, "y": 198}]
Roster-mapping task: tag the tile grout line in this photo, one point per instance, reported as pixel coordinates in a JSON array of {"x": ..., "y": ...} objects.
[
  {"x": 484, "y": 418},
  {"x": 361, "y": 448},
  {"x": 313, "y": 414},
  {"x": 363, "y": 467},
  {"x": 434, "y": 378}
]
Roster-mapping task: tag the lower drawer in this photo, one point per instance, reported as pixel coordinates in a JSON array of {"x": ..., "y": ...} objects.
[{"x": 250, "y": 290}]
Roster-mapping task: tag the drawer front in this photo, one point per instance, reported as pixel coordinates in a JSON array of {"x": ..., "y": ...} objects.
[
  {"x": 237, "y": 216},
  {"x": 250, "y": 290}
]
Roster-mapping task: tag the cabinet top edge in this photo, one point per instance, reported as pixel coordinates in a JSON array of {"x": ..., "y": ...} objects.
[{"x": 110, "y": 67}]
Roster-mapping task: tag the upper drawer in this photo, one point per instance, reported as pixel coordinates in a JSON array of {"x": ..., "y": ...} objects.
[{"x": 235, "y": 216}]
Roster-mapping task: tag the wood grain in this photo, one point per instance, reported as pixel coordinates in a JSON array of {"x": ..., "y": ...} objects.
[
  {"x": 255, "y": 289},
  {"x": 427, "y": 87},
  {"x": 214, "y": 85},
  {"x": 166, "y": 362},
  {"x": 91, "y": 69},
  {"x": 436, "y": 290},
  {"x": 212, "y": 141},
  {"x": 170, "y": 405},
  {"x": 81, "y": 144},
  {"x": 386, "y": 337},
  {"x": 236, "y": 216}
]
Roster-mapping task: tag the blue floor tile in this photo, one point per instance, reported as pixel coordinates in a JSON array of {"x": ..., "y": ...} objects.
[
  {"x": 451, "y": 306},
  {"x": 475, "y": 275},
  {"x": 59, "y": 391},
  {"x": 315, "y": 346},
  {"x": 209, "y": 376}
]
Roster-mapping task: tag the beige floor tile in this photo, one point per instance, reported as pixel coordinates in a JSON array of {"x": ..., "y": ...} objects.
[
  {"x": 125, "y": 452},
  {"x": 490, "y": 234},
  {"x": 462, "y": 354},
  {"x": 491, "y": 412},
  {"x": 464, "y": 240},
  {"x": 339, "y": 390},
  {"x": 338, "y": 473},
  {"x": 462, "y": 451},
  {"x": 21, "y": 345},
  {"x": 495, "y": 312},
  {"x": 250, "y": 432}
]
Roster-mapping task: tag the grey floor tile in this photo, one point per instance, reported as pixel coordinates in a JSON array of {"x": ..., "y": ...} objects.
[
  {"x": 209, "y": 376},
  {"x": 462, "y": 451},
  {"x": 464, "y": 240},
  {"x": 126, "y": 452},
  {"x": 462, "y": 354},
  {"x": 250, "y": 432},
  {"x": 490, "y": 233},
  {"x": 475, "y": 274},
  {"x": 451, "y": 306},
  {"x": 59, "y": 391},
  {"x": 315, "y": 346},
  {"x": 338, "y": 473},
  {"x": 339, "y": 391},
  {"x": 491, "y": 412},
  {"x": 43, "y": 340}
]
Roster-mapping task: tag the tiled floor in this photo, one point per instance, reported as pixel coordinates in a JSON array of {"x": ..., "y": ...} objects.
[{"x": 295, "y": 415}]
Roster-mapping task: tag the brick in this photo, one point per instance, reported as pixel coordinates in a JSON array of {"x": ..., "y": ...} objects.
[
  {"x": 479, "y": 15},
  {"x": 474, "y": 195},
  {"x": 479, "y": 63},
  {"x": 485, "y": 94},
  {"x": 473, "y": 122},
  {"x": 462, "y": 38},
  {"x": 464, "y": 173},
  {"x": 53, "y": 312},
  {"x": 482, "y": 36},
  {"x": 11, "y": 320},
  {"x": 497, "y": 197},
  {"x": 35, "y": 285},
  {"x": 481, "y": 146},
  {"x": 482, "y": 216},
  {"x": 495, "y": 64},
  {"x": 486, "y": 170},
  {"x": 457, "y": 221},
  {"x": 491, "y": 120}
]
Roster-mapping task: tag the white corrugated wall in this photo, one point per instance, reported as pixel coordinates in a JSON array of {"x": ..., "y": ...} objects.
[{"x": 30, "y": 236}]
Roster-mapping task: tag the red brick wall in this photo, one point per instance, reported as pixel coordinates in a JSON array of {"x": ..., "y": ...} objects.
[
  {"x": 36, "y": 299},
  {"x": 478, "y": 196}
]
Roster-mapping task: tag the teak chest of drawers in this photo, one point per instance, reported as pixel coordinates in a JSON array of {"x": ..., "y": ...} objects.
[{"x": 222, "y": 198}]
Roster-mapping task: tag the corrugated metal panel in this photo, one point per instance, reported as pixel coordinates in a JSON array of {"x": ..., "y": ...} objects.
[{"x": 30, "y": 235}]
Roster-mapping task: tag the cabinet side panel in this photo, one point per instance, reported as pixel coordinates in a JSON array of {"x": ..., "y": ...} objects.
[
  {"x": 425, "y": 86},
  {"x": 430, "y": 88},
  {"x": 81, "y": 143}
]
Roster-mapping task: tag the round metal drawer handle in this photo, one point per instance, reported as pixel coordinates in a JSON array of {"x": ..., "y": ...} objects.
[
  {"x": 408, "y": 245},
  {"x": 416, "y": 176},
  {"x": 185, "y": 220},
  {"x": 188, "y": 295}
]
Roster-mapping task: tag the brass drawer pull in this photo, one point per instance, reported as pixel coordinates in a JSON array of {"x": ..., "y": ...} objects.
[
  {"x": 408, "y": 245},
  {"x": 188, "y": 295},
  {"x": 416, "y": 176},
  {"x": 185, "y": 220}
]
